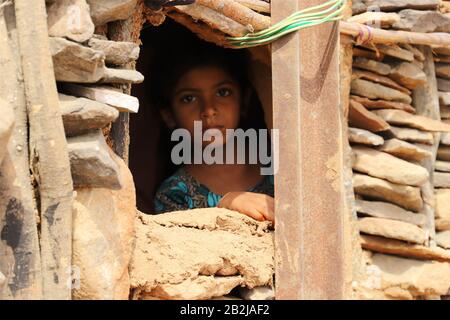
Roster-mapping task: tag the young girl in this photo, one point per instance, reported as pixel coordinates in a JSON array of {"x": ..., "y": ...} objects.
[{"x": 201, "y": 82}]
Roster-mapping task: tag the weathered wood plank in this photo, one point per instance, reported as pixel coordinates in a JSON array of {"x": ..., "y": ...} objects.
[
  {"x": 307, "y": 114},
  {"x": 49, "y": 157}
]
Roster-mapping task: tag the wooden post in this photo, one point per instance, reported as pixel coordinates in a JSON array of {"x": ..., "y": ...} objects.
[
  {"x": 426, "y": 102},
  {"x": 20, "y": 261},
  {"x": 309, "y": 184},
  {"x": 48, "y": 149}
]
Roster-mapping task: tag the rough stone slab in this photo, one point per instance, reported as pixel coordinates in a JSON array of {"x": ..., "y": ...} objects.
[
  {"x": 122, "y": 76},
  {"x": 443, "y": 239},
  {"x": 360, "y": 117},
  {"x": 396, "y": 5},
  {"x": 441, "y": 59},
  {"x": 81, "y": 115},
  {"x": 399, "y": 117},
  {"x": 372, "y": 65},
  {"x": 444, "y": 98},
  {"x": 70, "y": 19},
  {"x": 385, "y": 166},
  {"x": 422, "y": 21},
  {"x": 108, "y": 95},
  {"x": 91, "y": 162},
  {"x": 372, "y": 55},
  {"x": 383, "y": 104},
  {"x": 73, "y": 62},
  {"x": 419, "y": 277},
  {"x": 445, "y": 112},
  {"x": 370, "y": 76},
  {"x": 104, "y": 11},
  {"x": 442, "y": 50},
  {"x": 2, "y": 279},
  {"x": 193, "y": 249},
  {"x": 392, "y": 229},
  {"x": 441, "y": 179},
  {"x": 418, "y": 55},
  {"x": 443, "y": 166},
  {"x": 408, "y": 75},
  {"x": 443, "y": 84},
  {"x": 412, "y": 135},
  {"x": 379, "y": 19},
  {"x": 404, "y": 150},
  {"x": 442, "y": 224},
  {"x": 445, "y": 138},
  {"x": 373, "y": 90},
  {"x": 443, "y": 70},
  {"x": 377, "y": 189},
  {"x": 362, "y": 136},
  {"x": 401, "y": 248},
  {"x": 103, "y": 239},
  {"x": 443, "y": 153},
  {"x": 258, "y": 293},
  {"x": 392, "y": 51},
  {"x": 6, "y": 126},
  {"x": 117, "y": 53},
  {"x": 390, "y": 211},
  {"x": 442, "y": 209}
]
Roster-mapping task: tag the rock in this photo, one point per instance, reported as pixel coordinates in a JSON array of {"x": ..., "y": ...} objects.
[
  {"x": 443, "y": 70},
  {"x": 76, "y": 63},
  {"x": 441, "y": 59},
  {"x": 81, "y": 115},
  {"x": 364, "y": 137},
  {"x": 444, "y": 98},
  {"x": 422, "y": 21},
  {"x": 203, "y": 248},
  {"x": 445, "y": 138},
  {"x": 361, "y": 118},
  {"x": 418, "y": 277},
  {"x": 258, "y": 293},
  {"x": 358, "y": 7},
  {"x": 392, "y": 51},
  {"x": 103, "y": 11},
  {"x": 442, "y": 166},
  {"x": 117, "y": 53},
  {"x": 441, "y": 179},
  {"x": 376, "y": 19},
  {"x": 408, "y": 74},
  {"x": 372, "y": 55},
  {"x": 367, "y": 75},
  {"x": 442, "y": 50},
  {"x": 122, "y": 76},
  {"x": 70, "y": 19},
  {"x": 442, "y": 208},
  {"x": 396, "y": 5},
  {"x": 443, "y": 239},
  {"x": 443, "y": 84},
  {"x": 91, "y": 162},
  {"x": 392, "y": 229},
  {"x": 373, "y": 188},
  {"x": 6, "y": 126},
  {"x": 383, "y": 104},
  {"x": 2, "y": 279},
  {"x": 412, "y": 135},
  {"x": 404, "y": 150},
  {"x": 445, "y": 112},
  {"x": 443, "y": 153},
  {"x": 401, "y": 248},
  {"x": 103, "y": 239},
  {"x": 383, "y": 165},
  {"x": 385, "y": 210},
  {"x": 108, "y": 95},
  {"x": 402, "y": 118},
  {"x": 442, "y": 224},
  {"x": 372, "y": 65},
  {"x": 373, "y": 90},
  {"x": 418, "y": 55}
]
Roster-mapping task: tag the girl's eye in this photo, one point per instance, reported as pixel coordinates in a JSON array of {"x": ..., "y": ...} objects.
[
  {"x": 224, "y": 92},
  {"x": 188, "y": 98}
]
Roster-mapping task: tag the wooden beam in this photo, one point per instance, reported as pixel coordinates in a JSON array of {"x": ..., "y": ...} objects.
[
  {"x": 49, "y": 156},
  {"x": 309, "y": 184}
]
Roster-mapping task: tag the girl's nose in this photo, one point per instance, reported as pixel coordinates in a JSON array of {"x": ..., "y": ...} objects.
[{"x": 208, "y": 109}]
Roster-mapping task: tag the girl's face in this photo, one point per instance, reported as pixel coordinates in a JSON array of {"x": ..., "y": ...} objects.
[{"x": 207, "y": 94}]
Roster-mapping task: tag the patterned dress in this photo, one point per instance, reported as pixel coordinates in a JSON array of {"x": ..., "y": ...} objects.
[{"x": 182, "y": 191}]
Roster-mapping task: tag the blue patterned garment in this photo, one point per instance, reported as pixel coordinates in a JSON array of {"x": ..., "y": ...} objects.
[{"x": 182, "y": 191}]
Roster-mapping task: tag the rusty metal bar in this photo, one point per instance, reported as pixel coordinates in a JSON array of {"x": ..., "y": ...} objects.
[{"x": 309, "y": 238}]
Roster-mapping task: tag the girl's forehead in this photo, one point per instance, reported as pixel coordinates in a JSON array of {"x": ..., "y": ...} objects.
[{"x": 205, "y": 74}]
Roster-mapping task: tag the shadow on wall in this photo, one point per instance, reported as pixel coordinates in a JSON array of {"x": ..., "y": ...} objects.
[{"x": 149, "y": 138}]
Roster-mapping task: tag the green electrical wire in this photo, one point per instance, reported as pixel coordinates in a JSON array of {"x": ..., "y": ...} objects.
[{"x": 308, "y": 17}]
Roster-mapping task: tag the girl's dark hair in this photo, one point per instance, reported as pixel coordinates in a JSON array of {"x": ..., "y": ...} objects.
[{"x": 177, "y": 58}]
